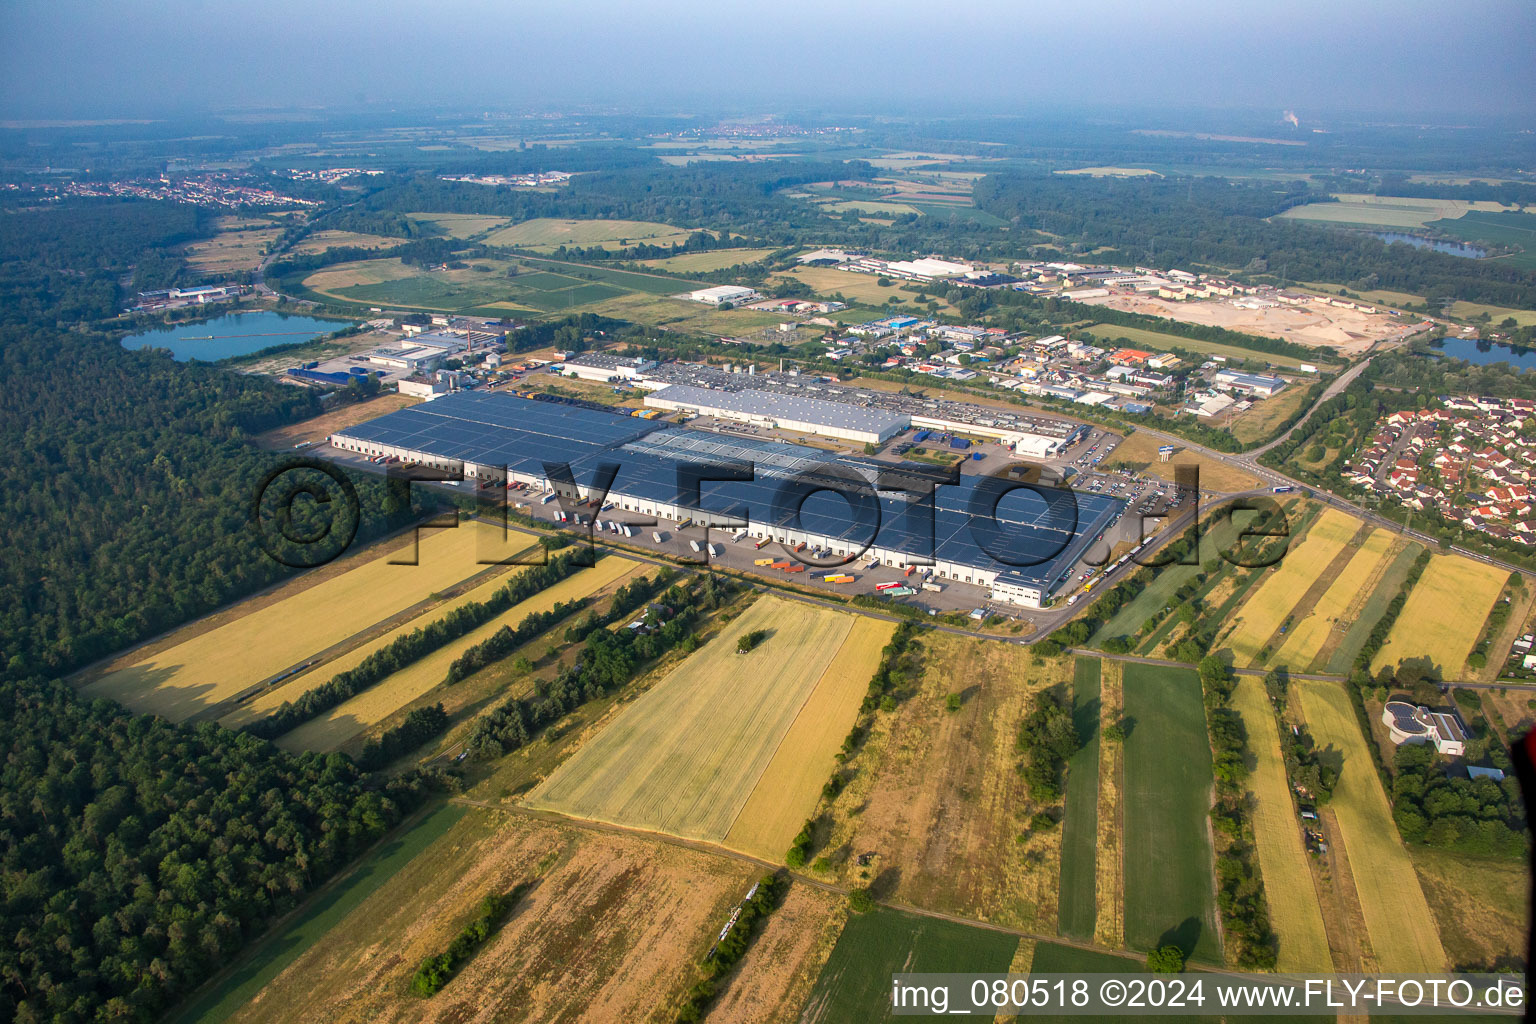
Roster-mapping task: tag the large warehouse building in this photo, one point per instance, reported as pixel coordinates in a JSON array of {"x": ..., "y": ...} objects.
[
  {"x": 787, "y": 412},
  {"x": 1019, "y": 546}
]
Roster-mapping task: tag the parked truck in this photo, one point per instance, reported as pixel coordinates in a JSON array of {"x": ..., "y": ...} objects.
[
  {"x": 657, "y": 537},
  {"x": 696, "y": 545},
  {"x": 937, "y": 588},
  {"x": 763, "y": 543},
  {"x": 547, "y": 498}
]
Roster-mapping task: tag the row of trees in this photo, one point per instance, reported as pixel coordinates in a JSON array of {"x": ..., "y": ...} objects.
[
  {"x": 608, "y": 661},
  {"x": 1047, "y": 739},
  {"x": 413, "y": 646}
]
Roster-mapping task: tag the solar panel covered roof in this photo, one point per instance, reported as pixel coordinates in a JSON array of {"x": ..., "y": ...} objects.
[{"x": 979, "y": 522}]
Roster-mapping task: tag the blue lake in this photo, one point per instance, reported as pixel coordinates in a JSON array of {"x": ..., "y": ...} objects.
[
  {"x": 234, "y": 334},
  {"x": 1485, "y": 353},
  {"x": 1471, "y": 252}
]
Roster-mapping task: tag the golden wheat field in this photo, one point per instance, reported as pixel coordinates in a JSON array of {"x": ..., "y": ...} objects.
[
  {"x": 787, "y": 791},
  {"x": 302, "y": 683},
  {"x": 1444, "y": 613},
  {"x": 1397, "y": 916},
  {"x": 330, "y": 730},
  {"x": 1269, "y": 604},
  {"x": 1293, "y": 908},
  {"x": 217, "y": 665},
  {"x": 1309, "y": 635},
  {"x": 683, "y": 758}
]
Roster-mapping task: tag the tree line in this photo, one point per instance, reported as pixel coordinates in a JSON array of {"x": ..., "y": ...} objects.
[{"x": 411, "y": 647}]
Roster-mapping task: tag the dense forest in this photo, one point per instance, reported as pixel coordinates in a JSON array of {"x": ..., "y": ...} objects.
[
  {"x": 139, "y": 856},
  {"x": 1187, "y": 222}
]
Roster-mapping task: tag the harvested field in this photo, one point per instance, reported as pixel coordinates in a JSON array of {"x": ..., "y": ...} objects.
[
  {"x": 1385, "y": 212},
  {"x": 1080, "y": 821},
  {"x": 1270, "y": 603},
  {"x": 938, "y": 795},
  {"x": 458, "y": 225},
  {"x": 330, "y": 730},
  {"x": 1140, "y": 451},
  {"x": 1293, "y": 908},
  {"x": 712, "y": 259},
  {"x": 320, "y": 427},
  {"x": 1169, "y": 889},
  {"x": 291, "y": 689},
  {"x": 773, "y": 980},
  {"x": 609, "y": 932},
  {"x": 240, "y": 245},
  {"x": 321, "y": 241},
  {"x": 1329, "y": 614},
  {"x": 218, "y": 665},
  {"x": 855, "y": 985},
  {"x": 1397, "y": 917},
  {"x": 1443, "y": 615},
  {"x": 787, "y": 791},
  {"x": 829, "y": 281},
  {"x": 1369, "y": 611},
  {"x": 551, "y": 233},
  {"x": 684, "y": 757}
]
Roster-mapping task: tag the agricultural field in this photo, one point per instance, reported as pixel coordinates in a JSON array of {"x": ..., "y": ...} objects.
[
  {"x": 240, "y": 245},
  {"x": 1386, "y": 212},
  {"x": 680, "y": 314},
  {"x": 1264, "y": 417},
  {"x": 1269, "y": 605},
  {"x": 1112, "y": 172},
  {"x": 217, "y": 666},
  {"x": 786, "y": 793},
  {"x": 774, "y": 979},
  {"x": 1169, "y": 888},
  {"x": 547, "y": 234},
  {"x": 685, "y": 756},
  {"x": 1397, "y": 917},
  {"x": 1330, "y": 614},
  {"x": 458, "y": 225},
  {"x": 877, "y": 208},
  {"x": 610, "y": 930},
  {"x": 828, "y": 282},
  {"x": 332, "y": 729},
  {"x": 1366, "y": 610},
  {"x": 1443, "y": 615},
  {"x": 321, "y": 241},
  {"x": 704, "y": 262},
  {"x": 1161, "y": 341},
  {"x": 1293, "y": 908},
  {"x": 1497, "y": 314},
  {"x": 1140, "y": 452},
  {"x": 1080, "y": 817},
  {"x": 296, "y": 686},
  {"x": 855, "y": 985},
  {"x": 1480, "y": 904},
  {"x": 937, "y": 794},
  {"x": 1498, "y": 228}
]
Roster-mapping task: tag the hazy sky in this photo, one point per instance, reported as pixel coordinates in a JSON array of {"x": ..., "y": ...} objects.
[{"x": 1469, "y": 59}]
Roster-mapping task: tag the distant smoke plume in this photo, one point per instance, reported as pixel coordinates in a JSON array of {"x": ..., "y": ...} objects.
[{"x": 1290, "y": 118}]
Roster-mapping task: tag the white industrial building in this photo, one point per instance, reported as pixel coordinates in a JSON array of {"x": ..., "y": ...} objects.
[
  {"x": 721, "y": 294},
  {"x": 1247, "y": 383},
  {"x": 605, "y": 367},
  {"x": 421, "y": 354},
  {"x": 807, "y": 415}
]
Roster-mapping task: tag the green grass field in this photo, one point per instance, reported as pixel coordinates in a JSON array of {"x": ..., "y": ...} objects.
[
  {"x": 268, "y": 957},
  {"x": 1080, "y": 824},
  {"x": 626, "y": 280},
  {"x": 1159, "y": 593},
  {"x": 1161, "y": 341},
  {"x": 1169, "y": 888},
  {"x": 548, "y": 233},
  {"x": 1500, "y": 228},
  {"x": 711, "y": 259},
  {"x": 855, "y": 983}
]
